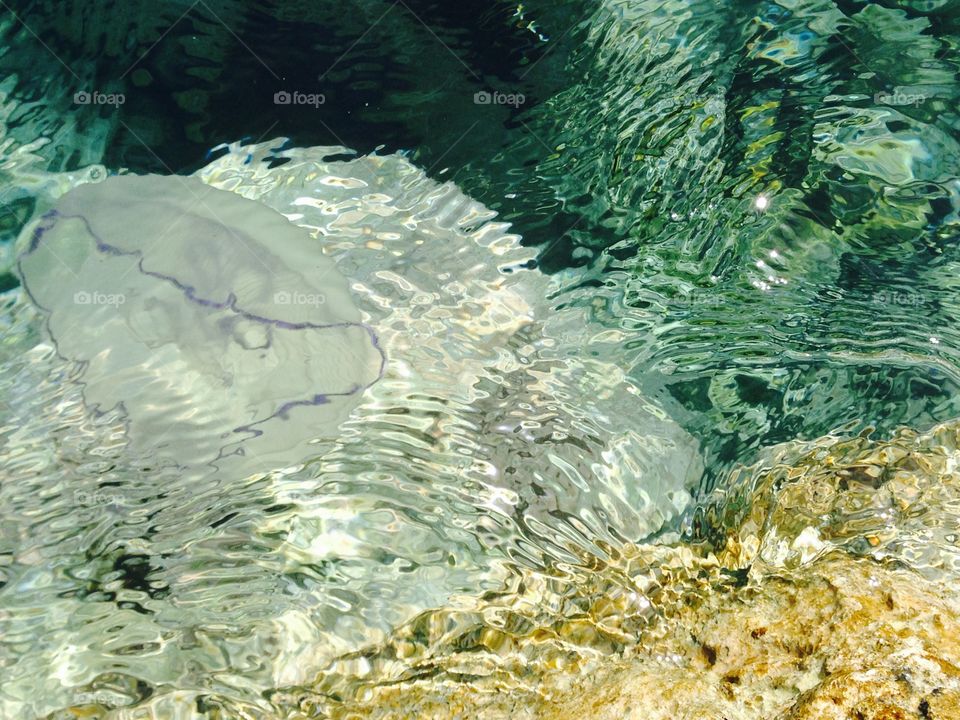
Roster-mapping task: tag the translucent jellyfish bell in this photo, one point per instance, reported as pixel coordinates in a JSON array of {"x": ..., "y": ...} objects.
[{"x": 213, "y": 324}]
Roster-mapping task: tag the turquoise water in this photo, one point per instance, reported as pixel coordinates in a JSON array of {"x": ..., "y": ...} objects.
[{"x": 706, "y": 229}]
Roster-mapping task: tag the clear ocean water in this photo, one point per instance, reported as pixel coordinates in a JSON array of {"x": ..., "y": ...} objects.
[{"x": 530, "y": 280}]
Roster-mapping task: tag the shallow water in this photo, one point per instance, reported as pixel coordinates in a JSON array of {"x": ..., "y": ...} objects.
[
  {"x": 707, "y": 230},
  {"x": 489, "y": 441}
]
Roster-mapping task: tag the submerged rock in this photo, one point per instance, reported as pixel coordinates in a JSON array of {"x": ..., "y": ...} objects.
[
  {"x": 841, "y": 639},
  {"x": 829, "y": 590},
  {"x": 821, "y": 585}
]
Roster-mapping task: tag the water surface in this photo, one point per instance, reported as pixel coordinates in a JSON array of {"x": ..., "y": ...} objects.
[{"x": 718, "y": 227}]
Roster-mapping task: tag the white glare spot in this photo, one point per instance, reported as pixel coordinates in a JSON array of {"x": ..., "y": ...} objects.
[{"x": 761, "y": 202}]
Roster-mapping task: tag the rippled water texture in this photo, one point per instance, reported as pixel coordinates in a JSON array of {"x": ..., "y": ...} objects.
[
  {"x": 771, "y": 191},
  {"x": 691, "y": 292},
  {"x": 490, "y": 440}
]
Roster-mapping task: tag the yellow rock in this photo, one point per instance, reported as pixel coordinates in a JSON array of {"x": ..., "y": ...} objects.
[
  {"x": 830, "y": 592},
  {"x": 823, "y": 584}
]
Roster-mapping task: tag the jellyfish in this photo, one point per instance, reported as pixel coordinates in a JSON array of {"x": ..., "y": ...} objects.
[{"x": 214, "y": 326}]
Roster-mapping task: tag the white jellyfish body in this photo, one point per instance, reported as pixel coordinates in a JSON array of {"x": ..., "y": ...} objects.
[{"x": 212, "y": 323}]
